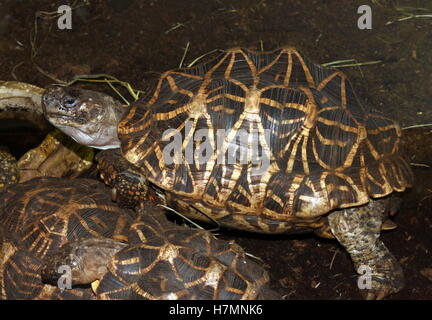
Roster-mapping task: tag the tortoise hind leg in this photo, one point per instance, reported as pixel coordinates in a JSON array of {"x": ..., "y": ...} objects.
[{"x": 358, "y": 230}]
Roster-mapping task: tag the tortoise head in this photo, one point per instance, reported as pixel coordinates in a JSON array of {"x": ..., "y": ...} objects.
[
  {"x": 80, "y": 262},
  {"x": 89, "y": 117}
]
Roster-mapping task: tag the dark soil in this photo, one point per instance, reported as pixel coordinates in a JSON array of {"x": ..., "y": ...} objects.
[{"x": 137, "y": 40}]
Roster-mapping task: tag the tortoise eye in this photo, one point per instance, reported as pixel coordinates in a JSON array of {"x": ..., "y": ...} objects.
[{"x": 69, "y": 101}]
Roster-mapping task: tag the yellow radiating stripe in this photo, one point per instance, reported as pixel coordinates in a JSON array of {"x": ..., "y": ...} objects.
[
  {"x": 172, "y": 83},
  {"x": 330, "y": 142},
  {"x": 29, "y": 233},
  {"x": 211, "y": 163},
  {"x": 309, "y": 78},
  {"x": 222, "y": 108},
  {"x": 237, "y": 291},
  {"x": 361, "y": 136},
  {"x": 308, "y": 199},
  {"x": 323, "y": 185},
  {"x": 150, "y": 169},
  {"x": 251, "y": 65},
  {"x": 209, "y": 92},
  {"x": 135, "y": 287},
  {"x": 383, "y": 171},
  {"x": 217, "y": 65},
  {"x": 381, "y": 129},
  {"x": 350, "y": 182},
  {"x": 187, "y": 75},
  {"x": 190, "y": 136},
  {"x": 272, "y": 103},
  {"x": 295, "y": 184},
  {"x": 343, "y": 92},
  {"x": 277, "y": 199},
  {"x": 283, "y": 122},
  {"x": 295, "y": 135},
  {"x": 215, "y": 97},
  {"x": 135, "y": 153},
  {"x": 139, "y": 124},
  {"x": 288, "y": 71},
  {"x": 337, "y": 124},
  {"x": 274, "y": 86},
  {"x": 317, "y": 157},
  {"x": 188, "y": 93},
  {"x": 331, "y": 187},
  {"x": 46, "y": 245},
  {"x": 271, "y": 64},
  {"x": 171, "y": 114},
  {"x": 324, "y": 83},
  {"x": 372, "y": 178},
  {"x": 162, "y": 167},
  {"x": 171, "y": 101},
  {"x": 304, "y": 155},
  {"x": 239, "y": 84},
  {"x": 233, "y": 97},
  {"x": 153, "y": 98},
  {"x": 293, "y": 154},
  {"x": 132, "y": 128},
  {"x": 230, "y": 65},
  {"x": 372, "y": 150},
  {"x": 332, "y": 108}
]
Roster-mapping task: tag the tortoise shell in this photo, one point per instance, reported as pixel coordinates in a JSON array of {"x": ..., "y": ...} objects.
[
  {"x": 168, "y": 261},
  {"x": 324, "y": 150},
  {"x": 42, "y": 214}
]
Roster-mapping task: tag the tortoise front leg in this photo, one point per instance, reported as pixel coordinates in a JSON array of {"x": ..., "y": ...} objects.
[
  {"x": 128, "y": 186},
  {"x": 358, "y": 230}
]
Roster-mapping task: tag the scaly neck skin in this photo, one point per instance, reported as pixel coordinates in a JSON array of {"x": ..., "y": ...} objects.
[{"x": 105, "y": 137}]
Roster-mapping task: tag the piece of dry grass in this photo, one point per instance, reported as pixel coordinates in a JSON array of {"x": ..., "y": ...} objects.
[
  {"x": 411, "y": 13},
  {"x": 184, "y": 54},
  {"x": 423, "y": 125},
  {"x": 349, "y": 63}
]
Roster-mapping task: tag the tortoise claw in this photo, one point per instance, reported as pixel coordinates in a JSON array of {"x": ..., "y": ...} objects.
[{"x": 383, "y": 287}]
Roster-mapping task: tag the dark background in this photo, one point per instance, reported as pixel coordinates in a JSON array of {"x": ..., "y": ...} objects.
[{"x": 135, "y": 41}]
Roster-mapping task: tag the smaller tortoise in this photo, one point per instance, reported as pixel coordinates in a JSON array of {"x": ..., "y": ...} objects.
[
  {"x": 162, "y": 261},
  {"x": 133, "y": 256},
  {"x": 38, "y": 217},
  {"x": 266, "y": 142}
]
